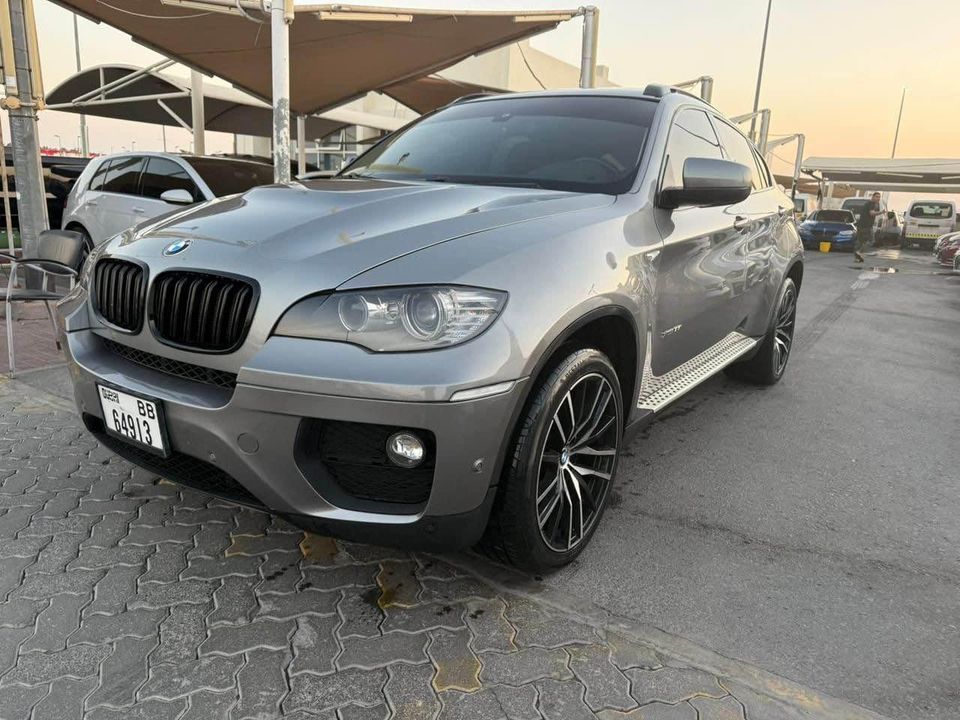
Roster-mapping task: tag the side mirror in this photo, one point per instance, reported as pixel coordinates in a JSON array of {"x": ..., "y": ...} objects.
[
  {"x": 709, "y": 182},
  {"x": 177, "y": 196}
]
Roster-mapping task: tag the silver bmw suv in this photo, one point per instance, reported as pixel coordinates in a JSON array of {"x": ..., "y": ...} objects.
[{"x": 449, "y": 342}]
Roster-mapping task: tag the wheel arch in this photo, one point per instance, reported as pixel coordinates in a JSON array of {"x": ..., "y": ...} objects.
[{"x": 78, "y": 227}]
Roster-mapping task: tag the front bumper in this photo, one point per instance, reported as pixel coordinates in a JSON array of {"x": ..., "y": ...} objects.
[{"x": 254, "y": 435}]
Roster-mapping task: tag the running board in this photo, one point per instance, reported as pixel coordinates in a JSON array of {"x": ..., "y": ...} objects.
[{"x": 656, "y": 392}]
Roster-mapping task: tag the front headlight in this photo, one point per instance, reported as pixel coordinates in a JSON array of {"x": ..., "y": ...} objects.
[{"x": 395, "y": 319}]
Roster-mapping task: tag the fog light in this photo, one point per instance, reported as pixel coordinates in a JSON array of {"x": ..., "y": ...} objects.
[{"x": 405, "y": 449}]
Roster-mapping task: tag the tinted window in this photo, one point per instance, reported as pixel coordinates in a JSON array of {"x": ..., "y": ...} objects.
[
  {"x": 580, "y": 144},
  {"x": 96, "y": 182},
  {"x": 840, "y": 216},
  {"x": 763, "y": 172},
  {"x": 691, "y": 136},
  {"x": 738, "y": 149},
  {"x": 162, "y": 175},
  {"x": 123, "y": 175},
  {"x": 227, "y": 177}
]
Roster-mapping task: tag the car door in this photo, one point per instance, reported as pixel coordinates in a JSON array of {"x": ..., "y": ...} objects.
[
  {"x": 119, "y": 194},
  {"x": 159, "y": 175},
  {"x": 701, "y": 265},
  {"x": 759, "y": 219},
  {"x": 86, "y": 205}
]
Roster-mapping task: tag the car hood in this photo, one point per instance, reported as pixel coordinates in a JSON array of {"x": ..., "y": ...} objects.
[{"x": 316, "y": 235}]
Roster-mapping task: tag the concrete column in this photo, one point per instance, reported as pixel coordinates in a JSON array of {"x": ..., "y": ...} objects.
[
  {"x": 196, "y": 107},
  {"x": 588, "y": 54},
  {"x": 280, "y": 62}
]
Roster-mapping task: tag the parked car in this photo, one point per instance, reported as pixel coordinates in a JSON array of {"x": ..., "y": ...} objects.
[
  {"x": 943, "y": 240},
  {"x": 889, "y": 232},
  {"x": 115, "y": 192},
  {"x": 856, "y": 205},
  {"x": 927, "y": 220},
  {"x": 834, "y": 226},
  {"x": 948, "y": 251},
  {"x": 449, "y": 340}
]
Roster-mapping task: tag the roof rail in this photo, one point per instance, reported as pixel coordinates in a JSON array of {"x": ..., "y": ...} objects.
[
  {"x": 470, "y": 96},
  {"x": 659, "y": 90}
]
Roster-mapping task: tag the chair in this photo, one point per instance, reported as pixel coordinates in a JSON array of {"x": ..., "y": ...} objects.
[{"x": 60, "y": 254}]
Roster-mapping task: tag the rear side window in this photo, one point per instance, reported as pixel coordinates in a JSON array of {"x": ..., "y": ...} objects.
[
  {"x": 763, "y": 172},
  {"x": 123, "y": 175},
  {"x": 227, "y": 177},
  {"x": 738, "y": 149},
  {"x": 692, "y": 135},
  {"x": 96, "y": 182},
  {"x": 162, "y": 174}
]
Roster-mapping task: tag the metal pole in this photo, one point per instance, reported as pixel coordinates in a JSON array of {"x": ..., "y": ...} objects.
[
  {"x": 706, "y": 88},
  {"x": 896, "y": 135},
  {"x": 763, "y": 53},
  {"x": 301, "y": 144},
  {"x": 83, "y": 118},
  {"x": 5, "y": 183},
  {"x": 32, "y": 206},
  {"x": 801, "y": 141},
  {"x": 764, "y": 131},
  {"x": 280, "y": 61},
  {"x": 196, "y": 107},
  {"x": 588, "y": 54}
]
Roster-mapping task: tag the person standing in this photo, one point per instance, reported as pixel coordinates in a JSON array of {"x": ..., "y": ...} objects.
[{"x": 865, "y": 225}]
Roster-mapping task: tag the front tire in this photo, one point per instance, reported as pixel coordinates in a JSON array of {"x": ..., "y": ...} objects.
[
  {"x": 564, "y": 456},
  {"x": 768, "y": 364}
]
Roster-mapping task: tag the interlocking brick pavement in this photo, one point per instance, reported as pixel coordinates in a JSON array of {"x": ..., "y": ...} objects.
[{"x": 124, "y": 596}]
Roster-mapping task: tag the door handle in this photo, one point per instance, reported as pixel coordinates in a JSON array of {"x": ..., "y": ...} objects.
[
  {"x": 740, "y": 222},
  {"x": 138, "y": 210},
  {"x": 92, "y": 203}
]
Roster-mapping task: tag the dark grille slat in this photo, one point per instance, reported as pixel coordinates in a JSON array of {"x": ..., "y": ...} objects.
[
  {"x": 118, "y": 293},
  {"x": 201, "y": 311}
]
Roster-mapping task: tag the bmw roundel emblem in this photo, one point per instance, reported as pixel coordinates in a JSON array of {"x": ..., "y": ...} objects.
[{"x": 177, "y": 247}]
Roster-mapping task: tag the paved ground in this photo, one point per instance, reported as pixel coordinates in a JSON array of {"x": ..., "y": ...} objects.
[
  {"x": 124, "y": 596},
  {"x": 812, "y": 528},
  {"x": 820, "y": 549},
  {"x": 33, "y": 340}
]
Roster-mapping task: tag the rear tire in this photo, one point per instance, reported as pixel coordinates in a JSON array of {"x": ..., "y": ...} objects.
[
  {"x": 768, "y": 364},
  {"x": 561, "y": 466}
]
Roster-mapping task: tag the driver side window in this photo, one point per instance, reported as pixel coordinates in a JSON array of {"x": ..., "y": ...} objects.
[{"x": 691, "y": 135}]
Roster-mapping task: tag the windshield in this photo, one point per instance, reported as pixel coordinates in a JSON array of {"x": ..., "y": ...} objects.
[
  {"x": 838, "y": 216},
  {"x": 228, "y": 177},
  {"x": 855, "y": 204},
  {"x": 580, "y": 144},
  {"x": 932, "y": 210}
]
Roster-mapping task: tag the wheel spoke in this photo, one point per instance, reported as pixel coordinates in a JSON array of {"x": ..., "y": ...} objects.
[
  {"x": 584, "y": 488},
  {"x": 597, "y": 433},
  {"x": 585, "y": 450},
  {"x": 596, "y": 417},
  {"x": 551, "y": 486},
  {"x": 579, "y": 508},
  {"x": 559, "y": 427},
  {"x": 548, "y": 511},
  {"x": 566, "y": 496},
  {"x": 589, "y": 471}
]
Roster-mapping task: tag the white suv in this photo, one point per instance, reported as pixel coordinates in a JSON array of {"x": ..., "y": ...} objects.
[{"x": 115, "y": 192}]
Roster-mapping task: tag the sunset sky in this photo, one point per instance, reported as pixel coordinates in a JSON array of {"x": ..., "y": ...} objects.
[{"x": 834, "y": 70}]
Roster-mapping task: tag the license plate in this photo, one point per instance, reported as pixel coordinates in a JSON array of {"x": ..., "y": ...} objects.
[{"x": 134, "y": 419}]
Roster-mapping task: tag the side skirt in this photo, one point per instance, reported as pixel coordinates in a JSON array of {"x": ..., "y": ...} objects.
[{"x": 656, "y": 392}]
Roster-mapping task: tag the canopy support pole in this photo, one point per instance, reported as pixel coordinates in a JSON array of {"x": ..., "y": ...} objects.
[
  {"x": 588, "y": 54},
  {"x": 301, "y": 144},
  {"x": 281, "y": 15},
  {"x": 196, "y": 106}
]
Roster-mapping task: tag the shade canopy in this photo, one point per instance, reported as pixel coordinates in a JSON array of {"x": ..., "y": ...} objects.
[
  {"x": 150, "y": 96},
  {"x": 426, "y": 94},
  {"x": 337, "y": 52},
  {"x": 938, "y": 175}
]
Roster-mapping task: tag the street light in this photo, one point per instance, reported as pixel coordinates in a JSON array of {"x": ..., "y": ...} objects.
[
  {"x": 896, "y": 135},
  {"x": 763, "y": 53}
]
